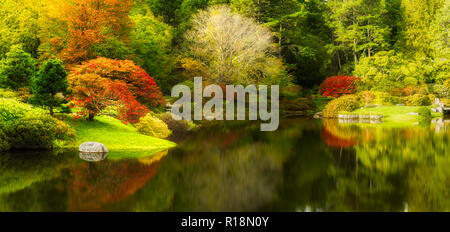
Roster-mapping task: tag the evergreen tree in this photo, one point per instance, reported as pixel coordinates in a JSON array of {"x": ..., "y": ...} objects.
[
  {"x": 50, "y": 80},
  {"x": 17, "y": 68}
]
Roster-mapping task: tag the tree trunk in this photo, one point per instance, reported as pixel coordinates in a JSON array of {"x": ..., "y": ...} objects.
[
  {"x": 51, "y": 111},
  {"x": 91, "y": 117},
  {"x": 355, "y": 55},
  {"x": 339, "y": 61}
]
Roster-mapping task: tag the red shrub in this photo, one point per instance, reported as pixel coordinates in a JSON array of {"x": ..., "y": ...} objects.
[{"x": 337, "y": 86}]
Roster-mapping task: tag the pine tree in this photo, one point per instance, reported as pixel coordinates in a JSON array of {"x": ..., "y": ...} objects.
[
  {"x": 17, "y": 68},
  {"x": 50, "y": 81}
]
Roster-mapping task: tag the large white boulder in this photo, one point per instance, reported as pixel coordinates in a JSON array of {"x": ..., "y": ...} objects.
[{"x": 93, "y": 147}]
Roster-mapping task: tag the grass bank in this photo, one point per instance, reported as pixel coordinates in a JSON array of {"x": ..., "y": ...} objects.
[
  {"x": 397, "y": 114},
  {"x": 123, "y": 141}
]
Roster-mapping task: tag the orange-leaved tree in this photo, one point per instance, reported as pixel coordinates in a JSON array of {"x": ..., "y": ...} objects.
[
  {"x": 90, "y": 22},
  {"x": 101, "y": 82}
]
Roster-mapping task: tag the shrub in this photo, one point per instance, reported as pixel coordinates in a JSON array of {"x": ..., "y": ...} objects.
[
  {"x": 345, "y": 103},
  {"x": 391, "y": 100},
  {"x": 6, "y": 93},
  {"x": 4, "y": 144},
  {"x": 64, "y": 131},
  {"x": 445, "y": 101},
  {"x": 418, "y": 100},
  {"x": 337, "y": 86},
  {"x": 299, "y": 104},
  {"x": 447, "y": 83},
  {"x": 367, "y": 97},
  {"x": 24, "y": 94},
  {"x": 432, "y": 97},
  {"x": 23, "y": 127},
  {"x": 441, "y": 91},
  {"x": 424, "y": 114},
  {"x": 410, "y": 81},
  {"x": 291, "y": 92},
  {"x": 384, "y": 98},
  {"x": 411, "y": 90},
  {"x": 153, "y": 126},
  {"x": 178, "y": 127}
]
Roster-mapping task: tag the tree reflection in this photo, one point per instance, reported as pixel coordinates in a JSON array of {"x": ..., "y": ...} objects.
[{"x": 95, "y": 185}]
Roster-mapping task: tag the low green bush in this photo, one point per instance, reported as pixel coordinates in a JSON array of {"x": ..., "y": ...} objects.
[
  {"x": 153, "y": 126},
  {"x": 178, "y": 127},
  {"x": 384, "y": 98},
  {"x": 291, "y": 92},
  {"x": 24, "y": 127},
  {"x": 418, "y": 100},
  {"x": 410, "y": 81},
  {"x": 367, "y": 97},
  {"x": 447, "y": 83},
  {"x": 299, "y": 104},
  {"x": 424, "y": 112},
  {"x": 432, "y": 97},
  {"x": 345, "y": 103},
  {"x": 445, "y": 101},
  {"x": 441, "y": 91},
  {"x": 392, "y": 100},
  {"x": 6, "y": 93}
]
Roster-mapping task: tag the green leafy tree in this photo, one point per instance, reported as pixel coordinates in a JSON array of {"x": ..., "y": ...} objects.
[
  {"x": 302, "y": 35},
  {"x": 439, "y": 34},
  {"x": 166, "y": 9},
  {"x": 418, "y": 16},
  {"x": 17, "y": 68},
  {"x": 19, "y": 25},
  {"x": 151, "y": 43},
  {"x": 360, "y": 28},
  {"x": 50, "y": 81}
]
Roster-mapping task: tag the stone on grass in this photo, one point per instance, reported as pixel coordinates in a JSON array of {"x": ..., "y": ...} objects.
[{"x": 93, "y": 147}]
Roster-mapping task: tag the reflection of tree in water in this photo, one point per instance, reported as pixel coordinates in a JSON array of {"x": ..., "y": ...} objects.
[
  {"x": 20, "y": 170},
  {"x": 239, "y": 168},
  {"x": 335, "y": 135},
  {"x": 220, "y": 169},
  {"x": 429, "y": 187},
  {"x": 31, "y": 181},
  {"x": 95, "y": 185},
  {"x": 398, "y": 166}
]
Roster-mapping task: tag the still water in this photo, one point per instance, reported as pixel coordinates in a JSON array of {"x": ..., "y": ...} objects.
[{"x": 307, "y": 165}]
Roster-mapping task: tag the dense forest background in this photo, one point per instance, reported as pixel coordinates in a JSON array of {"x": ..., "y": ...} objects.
[{"x": 386, "y": 42}]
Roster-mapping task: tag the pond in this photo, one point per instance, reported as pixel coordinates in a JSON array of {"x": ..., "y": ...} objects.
[{"x": 307, "y": 165}]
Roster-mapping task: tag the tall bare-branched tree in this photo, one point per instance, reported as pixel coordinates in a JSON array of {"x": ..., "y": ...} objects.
[{"x": 234, "y": 49}]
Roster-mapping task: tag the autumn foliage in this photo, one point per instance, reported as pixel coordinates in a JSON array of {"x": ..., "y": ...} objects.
[
  {"x": 90, "y": 22},
  {"x": 92, "y": 187},
  {"x": 337, "y": 86},
  {"x": 102, "y": 82}
]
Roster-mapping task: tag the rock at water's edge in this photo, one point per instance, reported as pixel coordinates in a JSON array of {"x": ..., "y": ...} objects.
[{"x": 93, "y": 147}]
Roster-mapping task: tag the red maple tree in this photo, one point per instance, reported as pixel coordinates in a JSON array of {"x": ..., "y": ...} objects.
[
  {"x": 337, "y": 86},
  {"x": 101, "y": 82}
]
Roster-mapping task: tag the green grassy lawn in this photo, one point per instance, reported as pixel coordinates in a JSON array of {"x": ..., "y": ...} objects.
[
  {"x": 123, "y": 141},
  {"x": 396, "y": 114}
]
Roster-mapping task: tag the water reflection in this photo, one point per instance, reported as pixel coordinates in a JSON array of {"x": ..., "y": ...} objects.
[
  {"x": 93, "y": 157},
  {"x": 304, "y": 166}
]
